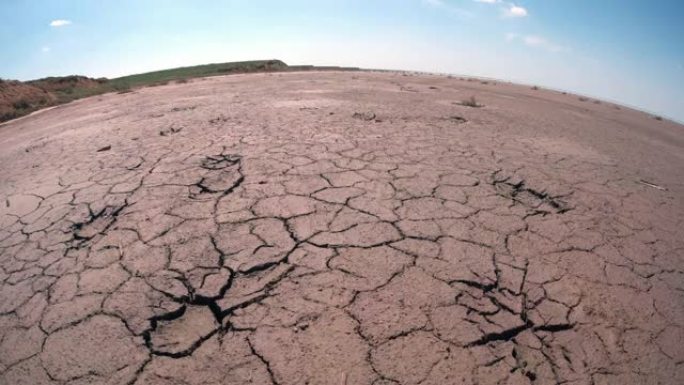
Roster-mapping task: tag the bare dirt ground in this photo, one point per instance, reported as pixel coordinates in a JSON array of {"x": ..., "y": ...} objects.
[{"x": 341, "y": 228}]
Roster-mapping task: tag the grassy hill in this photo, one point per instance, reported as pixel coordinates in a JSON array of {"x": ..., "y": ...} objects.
[
  {"x": 21, "y": 98},
  {"x": 182, "y": 73}
]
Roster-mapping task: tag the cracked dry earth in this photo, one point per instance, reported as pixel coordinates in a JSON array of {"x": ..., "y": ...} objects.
[{"x": 341, "y": 228}]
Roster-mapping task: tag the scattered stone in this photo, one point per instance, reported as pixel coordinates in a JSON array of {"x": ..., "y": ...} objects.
[{"x": 367, "y": 116}]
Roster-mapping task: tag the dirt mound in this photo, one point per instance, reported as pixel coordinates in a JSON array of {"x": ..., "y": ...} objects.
[
  {"x": 20, "y": 98},
  {"x": 17, "y": 99}
]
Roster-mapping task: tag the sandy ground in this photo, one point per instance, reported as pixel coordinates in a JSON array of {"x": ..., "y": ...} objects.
[{"x": 341, "y": 228}]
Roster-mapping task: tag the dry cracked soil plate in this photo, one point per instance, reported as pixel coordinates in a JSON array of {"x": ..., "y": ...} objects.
[{"x": 330, "y": 228}]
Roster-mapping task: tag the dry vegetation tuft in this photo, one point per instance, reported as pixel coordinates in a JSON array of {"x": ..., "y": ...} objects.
[{"x": 471, "y": 102}]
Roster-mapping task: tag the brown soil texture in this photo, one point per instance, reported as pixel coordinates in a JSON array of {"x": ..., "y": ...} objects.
[{"x": 341, "y": 228}]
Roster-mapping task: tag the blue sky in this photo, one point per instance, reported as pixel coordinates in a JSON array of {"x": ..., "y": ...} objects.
[{"x": 629, "y": 51}]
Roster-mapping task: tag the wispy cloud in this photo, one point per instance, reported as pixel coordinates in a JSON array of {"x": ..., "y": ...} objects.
[
  {"x": 515, "y": 11},
  {"x": 536, "y": 41},
  {"x": 59, "y": 23},
  {"x": 45, "y": 49},
  {"x": 511, "y": 10},
  {"x": 540, "y": 42}
]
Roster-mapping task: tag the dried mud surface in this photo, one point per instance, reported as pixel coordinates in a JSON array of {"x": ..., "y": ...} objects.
[{"x": 341, "y": 228}]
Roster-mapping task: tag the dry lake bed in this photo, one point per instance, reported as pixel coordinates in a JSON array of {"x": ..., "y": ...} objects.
[{"x": 341, "y": 228}]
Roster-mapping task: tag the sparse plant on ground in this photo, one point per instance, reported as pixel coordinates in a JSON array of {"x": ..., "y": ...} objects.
[
  {"x": 122, "y": 88},
  {"x": 471, "y": 102},
  {"x": 658, "y": 117},
  {"x": 21, "y": 104},
  {"x": 535, "y": 88}
]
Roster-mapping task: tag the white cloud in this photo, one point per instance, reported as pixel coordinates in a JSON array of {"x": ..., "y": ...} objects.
[
  {"x": 536, "y": 41},
  {"x": 540, "y": 42},
  {"x": 59, "y": 23},
  {"x": 45, "y": 49},
  {"x": 435, "y": 3},
  {"x": 515, "y": 11},
  {"x": 510, "y": 10}
]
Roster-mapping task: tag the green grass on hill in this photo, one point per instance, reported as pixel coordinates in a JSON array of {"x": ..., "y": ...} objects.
[{"x": 182, "y": 73}]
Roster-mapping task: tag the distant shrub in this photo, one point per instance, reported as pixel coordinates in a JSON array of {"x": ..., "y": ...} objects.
[
  {"x": 122, "y": 88},
  {"x": 471, "y": 102},
  {"x": 658, "y": 117},
  {"x": 582, "y": 99},
  {"x": 182, "y": 81},
  {"x": 535, "y": 88},
  {"x": 21, "y": 104}
]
